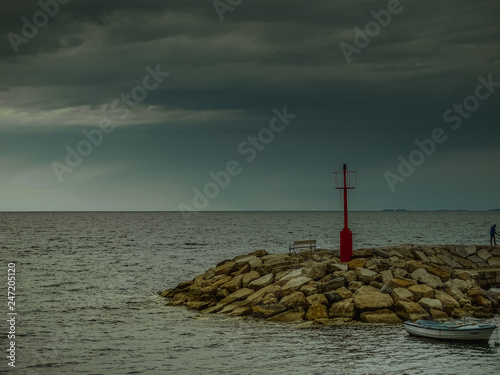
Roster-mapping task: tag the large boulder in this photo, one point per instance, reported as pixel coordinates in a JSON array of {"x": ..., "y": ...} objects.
[
  {"x": 262, "y": 282},
  {"x": 421, "y": 291},
  {"x": 462, "y": 285},
  {"x": 387, "y": 276},
  {"x": 217, "y": 281},
  {"x": 310, "y": 289},
  {"x": 319, "y": 298},
  {"x": 410, "y": 311},
  {"x": 315, "y": 271},
  {"x": 233, "y": 285},
  {"x": 342, "y": 309},
  {"x": 401, "y": 283},
  {"x": 365, "y": 275},
  {"x": 252, "y": 260},
  {"x": 294, "y": 300},
  {"x": 333, "y": 284},
  {"x": 356, "y": 263},
  {"x": 257, "y": 297},
  {"x": 484, "y": 254},
  {"x": 380, "y": 316},
  {"x": 295, "y": 284},
  {"x": 289, "y": 276},
  {"x": 448, "y": 302},
  {"x": 289, "y": 316},
  {"x": 266, "y": 311},
  {"x": 370, "y": 298},
  {"x": 225, "y": 268},
  {"x": 424, "y": 277},
  {"x": 402, "y": 294},
  {"x": 249, "y": 277},
  {"x": 442, "y": 272},
  {"x": 236, "y": 296},
  {"x": 317, "y": 311},
  {"x": 431, "y": 303}
]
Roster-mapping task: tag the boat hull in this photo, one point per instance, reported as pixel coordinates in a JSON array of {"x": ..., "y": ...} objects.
[{"x": 442, "y": 331}]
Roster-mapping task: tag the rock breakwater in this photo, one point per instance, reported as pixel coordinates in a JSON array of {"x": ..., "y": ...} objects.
[{"x": 380, "y": 285}]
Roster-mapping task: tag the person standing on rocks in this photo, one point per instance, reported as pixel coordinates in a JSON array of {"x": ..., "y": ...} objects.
[{"x": 492, "y": 235}]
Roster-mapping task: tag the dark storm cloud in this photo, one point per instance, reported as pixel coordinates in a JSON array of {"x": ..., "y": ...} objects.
[{"x": 226, "y": 77}]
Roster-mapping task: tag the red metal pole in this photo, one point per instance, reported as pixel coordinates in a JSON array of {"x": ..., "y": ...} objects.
[
  {"x": 345, "y": 197},
  {"x": 345, "y": 234}
]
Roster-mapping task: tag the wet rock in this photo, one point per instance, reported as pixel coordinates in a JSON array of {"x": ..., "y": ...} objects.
[
  {"x": 400, "y": 273},
  {"x": 484, "y": 254},
  {"x": 356, "y": 263},
  {"x": 369, "y": 298},
  {"x": 317, "y": 311},
  {"x": 477, "y": 261},
  {"x": 217, "y": 281},
  {"x": 344, "y": 292},
  {"x": 438, "y": 315},
  {"x": 310, "y": 289},
  {"x": 401, "y": 283},
  {"x": 331, "y": 285},
  {"x": 237, "y": 305},
  {"x": 294, "y": 315},
  {"x": 387, "y": 276},
  {"x": 315, "y": 272},
  {"x": 350, "y": 276},
  {"x": 332, "y": 297},
  {"x": 234, "y": 284},
  {"x": 342, "y": 309},
  {"x": 226, "y": 268},
  {"x": 236, "y": 296},
  {"x": 424, "y": 277},
  {"x": 470, "y": 250},
  {"x": 494, "y": 262},
  {"x": 355, "y": 285},
  {"x": 402, "y": 294},
  {"x": 252, "y": 260},
  {"x": 410, "y": 311},
  {"x": 462, "y": 285},
  {"x": 319, "y": 298},
  {"x": 385, "y": 289},
  {"x": 420, "y": 291},
  {"x": 262, "y": 282},
  {"x": 266, "y": 311},
  {"x": 269, "y": 298},
  {"x": 295, "y": 300},
  {"x": 295, "y": 284},
  {"x": 448, "y": 302},
  {"x": 380, "y": 316},
  {"x": 430, "y": 303},
  {"x": 442, "y": 272},
  {"x": 289, "y": 276},
  {"x": 249, "y": 277},
  {"x": 259, "y": 295},
  {"x": 366, "y": 276},
  {"x": 449, "y": 262}
]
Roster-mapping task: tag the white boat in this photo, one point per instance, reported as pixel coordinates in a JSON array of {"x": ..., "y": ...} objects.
[{"x": 470, "y": 332}]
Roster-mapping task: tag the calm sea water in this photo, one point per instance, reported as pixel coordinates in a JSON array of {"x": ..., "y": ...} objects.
[{"x": 87, "y": 298}]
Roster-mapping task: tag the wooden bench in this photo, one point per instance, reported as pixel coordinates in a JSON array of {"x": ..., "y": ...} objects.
[{"x": 309, "y": 244}]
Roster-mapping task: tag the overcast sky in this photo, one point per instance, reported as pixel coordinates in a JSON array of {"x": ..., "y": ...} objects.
[{"x": 138, "y": 105}]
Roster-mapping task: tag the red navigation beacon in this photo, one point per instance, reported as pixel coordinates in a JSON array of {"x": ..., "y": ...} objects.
[{"x": 345, "y": 180}]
